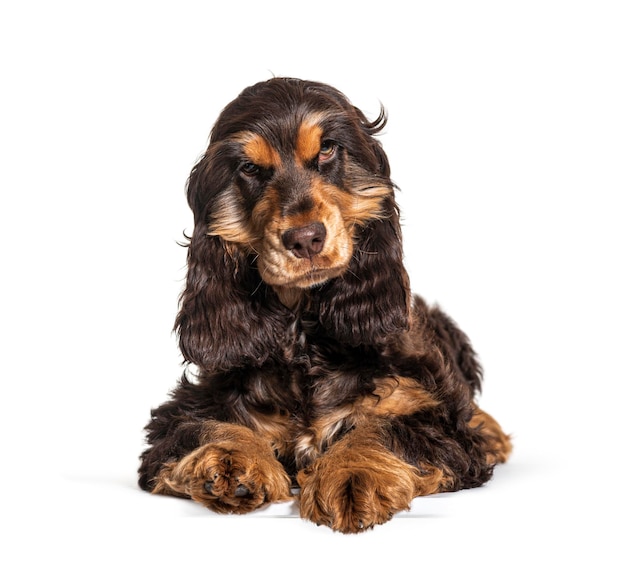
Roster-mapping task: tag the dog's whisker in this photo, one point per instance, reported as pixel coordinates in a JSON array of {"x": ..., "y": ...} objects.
[{"x": 257, "y": 288}]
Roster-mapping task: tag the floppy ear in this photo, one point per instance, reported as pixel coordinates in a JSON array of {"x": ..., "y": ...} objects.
[
  {"x": 371, "y": 300},
  {"x": 227, "y": 318}
]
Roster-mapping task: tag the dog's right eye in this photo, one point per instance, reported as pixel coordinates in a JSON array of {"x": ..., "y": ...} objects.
[{"x": 249, "y": 169}]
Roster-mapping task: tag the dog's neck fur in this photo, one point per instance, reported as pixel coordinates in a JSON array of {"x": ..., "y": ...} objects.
[{"x": 289, "y": 297}]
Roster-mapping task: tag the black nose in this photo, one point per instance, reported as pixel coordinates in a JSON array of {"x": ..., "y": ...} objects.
[{"x": 306, "y": 241}]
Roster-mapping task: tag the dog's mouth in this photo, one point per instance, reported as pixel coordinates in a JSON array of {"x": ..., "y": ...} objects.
[
  {"x": 315, "y": 277},
  {"x": 301, "y": 278},
  {"x": 290, "y": 291},
  {"x": 290, "y": 263}
]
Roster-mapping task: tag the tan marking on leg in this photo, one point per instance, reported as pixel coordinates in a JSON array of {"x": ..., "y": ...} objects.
[
  {"x": 499, "y": 441},
  {"x": 358, "y": 483},
  {"x": 241, "y": 468},
  {"x": 277, "y": 429},
  {"x": 398, "y": 396},
  {"x": 393, "y": 396}
]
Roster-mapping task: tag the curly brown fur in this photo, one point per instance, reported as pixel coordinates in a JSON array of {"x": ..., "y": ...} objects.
[{"x": 315, "y": 365}]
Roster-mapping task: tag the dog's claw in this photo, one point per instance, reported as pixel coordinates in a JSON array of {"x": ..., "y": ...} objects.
[{"x": 242, "y": 491}]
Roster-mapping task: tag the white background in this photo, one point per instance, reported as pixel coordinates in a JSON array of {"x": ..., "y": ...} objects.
[{"x": 507, "y": 136}]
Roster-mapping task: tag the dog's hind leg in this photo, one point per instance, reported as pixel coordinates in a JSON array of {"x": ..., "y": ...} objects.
[{"x": 498, "y": 443}]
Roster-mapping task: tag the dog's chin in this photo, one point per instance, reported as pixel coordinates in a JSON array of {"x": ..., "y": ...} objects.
[
  {"x": 316, "y": 278},
  {"x": 290, "y": 289},
  {"x": 305, "y": 281}
]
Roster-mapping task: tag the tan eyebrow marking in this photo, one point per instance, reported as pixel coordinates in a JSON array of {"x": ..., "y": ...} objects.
[
  {"x": 309, "y": 137},
  {"x": 258, "y": 150},
  {"x": 308, "y": 142}
]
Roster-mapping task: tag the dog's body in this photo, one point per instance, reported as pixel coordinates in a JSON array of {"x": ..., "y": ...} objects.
[{"x": 315, "y": 364}]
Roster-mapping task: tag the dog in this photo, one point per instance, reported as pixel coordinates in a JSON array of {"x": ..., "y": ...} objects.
[{"x": 318, "y": 376}]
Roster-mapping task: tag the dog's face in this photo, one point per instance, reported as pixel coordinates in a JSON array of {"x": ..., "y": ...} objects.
[
  {"x": 294, "y": 174},
  {"x": 293, "y": 210}
]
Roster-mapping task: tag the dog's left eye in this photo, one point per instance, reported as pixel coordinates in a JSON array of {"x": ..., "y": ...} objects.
[
  {"x": 327, "y": 150},
  {"x": 249, "y": 169}
]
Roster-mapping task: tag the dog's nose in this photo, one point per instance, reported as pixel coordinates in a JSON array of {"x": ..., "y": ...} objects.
[{"x": 306, "y": 241}]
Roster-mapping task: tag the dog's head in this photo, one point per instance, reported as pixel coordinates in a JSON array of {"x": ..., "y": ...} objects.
[{"x": 292, "y": 200}]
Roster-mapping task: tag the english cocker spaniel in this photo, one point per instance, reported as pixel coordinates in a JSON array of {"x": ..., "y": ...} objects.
[{"x": 318, "y": 376}]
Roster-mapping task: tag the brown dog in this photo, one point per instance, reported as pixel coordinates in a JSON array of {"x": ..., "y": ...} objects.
[{"x": 316, "y": 366}]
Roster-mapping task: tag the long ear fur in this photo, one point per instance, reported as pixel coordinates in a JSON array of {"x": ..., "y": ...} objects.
[
  {"x": 371, "y": 300},
  {"x": 227, "y": 317}
]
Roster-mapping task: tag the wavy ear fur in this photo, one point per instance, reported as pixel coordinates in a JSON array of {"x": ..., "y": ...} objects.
[
  {"x": 227, "y": 317},
  {"x": 370, "y": 301}
]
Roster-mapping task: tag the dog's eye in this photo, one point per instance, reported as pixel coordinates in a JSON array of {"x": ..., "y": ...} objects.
[
  {"x": 249, "y": 169},
  {"x": 327, "y": 150}
]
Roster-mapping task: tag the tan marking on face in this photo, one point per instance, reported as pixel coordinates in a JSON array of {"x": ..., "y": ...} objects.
[
  {"x": 259, "y": 151},
  {"x": 309, "y": 138},
  {"x": 280, "y": 267},
  {"x": 308, "y": 142},
  {"x": 342, "y": 212}
]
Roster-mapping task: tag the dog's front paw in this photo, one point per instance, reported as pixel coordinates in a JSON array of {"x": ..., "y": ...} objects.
[
  {"x": 228, "y": 478},
  {"x": 351, "y": 490}
]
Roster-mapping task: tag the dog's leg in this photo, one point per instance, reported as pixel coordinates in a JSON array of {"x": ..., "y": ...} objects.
[
  {"x": 359, "y": 483},
  {"x": 498, "y": 443},
  {"x": 232, "y": 471}
]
